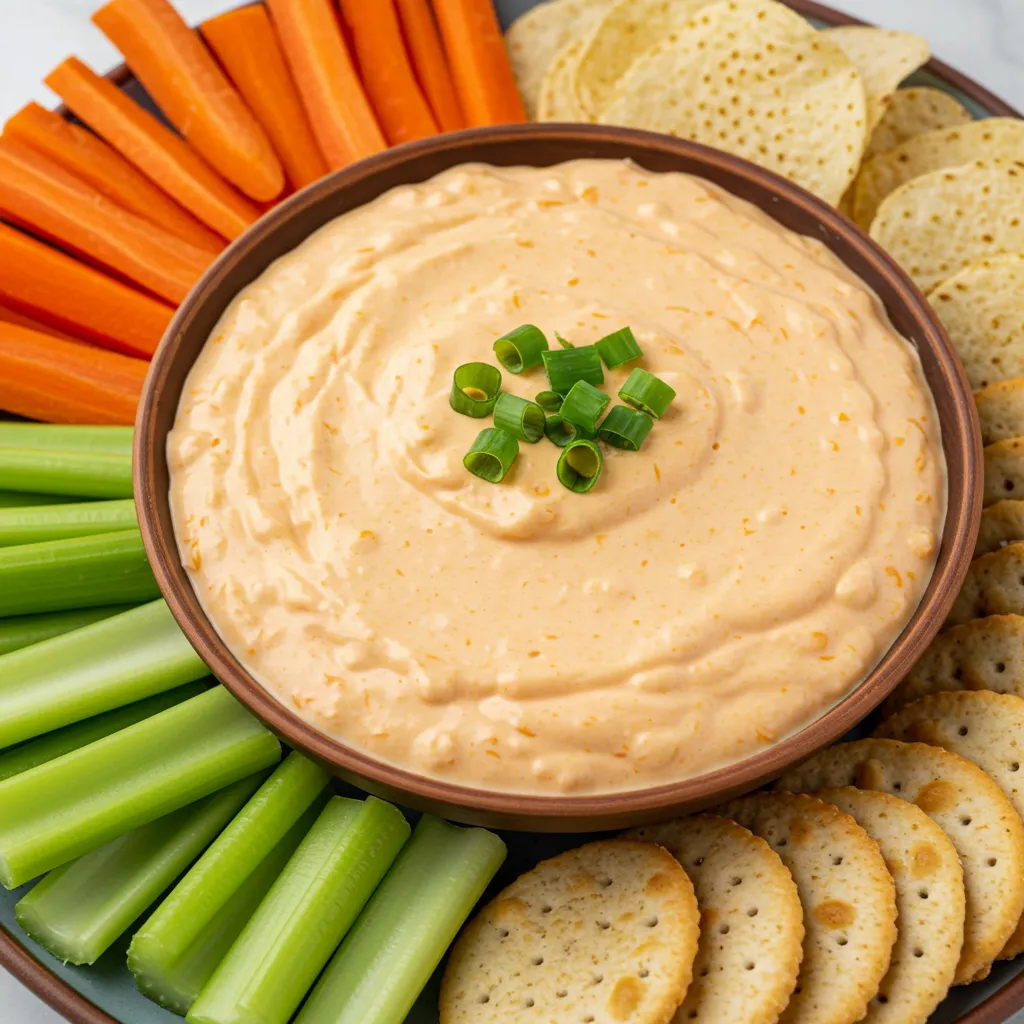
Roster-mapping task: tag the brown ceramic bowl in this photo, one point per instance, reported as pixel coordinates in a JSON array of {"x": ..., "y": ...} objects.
[{"x": 544, "y": 145}]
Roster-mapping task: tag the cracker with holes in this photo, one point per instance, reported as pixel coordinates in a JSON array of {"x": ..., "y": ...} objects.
[
  {"x": 994, "y": 586},
  {"x": 1001, "y": 410},
  {"x": 848, "y": 899},
  {"x": 752, "y": 928},
  {"x": 1001, "y": 524},
  {"x": 983, "y": 654},
  {"x": 966, "y": 804},
  {"x": 930, "y": 933},
  {"x": 604, "y": 933},
  {"x": 986, "y": 728},
  {"x": 1004, "y": 470}
]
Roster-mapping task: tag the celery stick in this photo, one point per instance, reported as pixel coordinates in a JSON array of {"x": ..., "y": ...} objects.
[
  {"x": 24, "y": 630},
  {"x": 16, "y": 499},
  {"x": 62, "y": 741},
  {"x": 94, "y": 669},
  {"x": 82, "y": 572},
  {"x": 84, "y": 474},
  {"x": 58, "y": 522},
  {"x": 175, "y": 984},
  {"x": 79, "y": 909},
  {"x": 64, "y": 808},
  {"x": 66, "y": 438},
  {"x": 305, "y": 915},
  {"x": 409, "y": 923}
]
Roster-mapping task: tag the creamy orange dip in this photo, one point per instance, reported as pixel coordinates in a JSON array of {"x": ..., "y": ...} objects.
[{"x": 716, "y": 590}]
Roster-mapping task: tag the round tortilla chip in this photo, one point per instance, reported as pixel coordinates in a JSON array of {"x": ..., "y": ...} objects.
[
  {"x": 756, "y": 80},
  {"x": 557, "y": 101},
  {"x": 942, "y": 222},
  {"x": 994, "y": 139},
  {"x": 915, "y": 111},
  {"x": 884, "y": 57},
  {"x": 982, "y": 309}
]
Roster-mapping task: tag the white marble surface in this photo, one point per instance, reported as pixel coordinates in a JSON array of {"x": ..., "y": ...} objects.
[{"x": 982, "y": 38}]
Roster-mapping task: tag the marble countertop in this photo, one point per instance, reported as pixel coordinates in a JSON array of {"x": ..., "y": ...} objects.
[{"x": 982, "y": 38}]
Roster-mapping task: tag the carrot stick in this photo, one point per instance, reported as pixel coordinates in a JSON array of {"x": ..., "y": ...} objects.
[
  {"x": 386, "y": 72},
  {"x": 8, "y": 315},
  {"x": 430, "y": 64},
  {"x": 480, "y": 68},
  {"x": 178, "y": 71},
  {"x": 154, "y": 149},
  {"x": 66, "y": 382},
  {"x": 91, "y": 159},
  {"x": 40, "y": 195},
  {"x": 342, "y": 119},
  {"x": 243, "y": 40},
  {"x": 53, "y": 287}
]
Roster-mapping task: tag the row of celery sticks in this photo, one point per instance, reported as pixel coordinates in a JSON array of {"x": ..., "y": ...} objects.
[{"x": 131, "y": 782}]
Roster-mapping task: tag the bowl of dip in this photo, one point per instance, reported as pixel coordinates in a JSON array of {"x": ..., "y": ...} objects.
[{"x": 728, "y": 599}]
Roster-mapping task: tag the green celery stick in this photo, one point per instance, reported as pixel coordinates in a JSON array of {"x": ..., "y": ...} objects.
[
  {"x": 16, "y": 499},
  {"x": 84, "y": 474},
  {"x": 176, "y": 984},
  {"x": 276, "y": 959},
  {"x": 82, "y": 572},
  {"x": 79, "y": 909},
  {"x": 93, "y": 669},
  {"x": 67, "y": 438},
  {"x": 405, "y": 929},
  {"x": 66, "y": 807},
  {"x": 62, "y": 741},
  {"x": 58, "y": 522},
  {"x": 24, "y": 630}
]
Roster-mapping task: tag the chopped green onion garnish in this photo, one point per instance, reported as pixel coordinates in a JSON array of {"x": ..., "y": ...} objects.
[
  {"x": 579, "y": 465},
  {"x": 491, "y": 455},
  {"x": 549, "y": 401},
  {"x": 521, "y": 349},
  {"x": 647, "y": 393},
  {"x": 618, "y": 348},
  {"x": 566, "y": 366},
  {"x": 584, "y": 405},
  {"x": 625, "y": 428},
  {"x": 475, "y": 389},
  {"x": 564, "y": 342},
  {"x": 560, "y": 432},
  {"x": 516, "y": 416}
]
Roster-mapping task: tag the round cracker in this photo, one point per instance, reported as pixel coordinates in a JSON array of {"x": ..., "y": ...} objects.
[
  {"x": 848, "y": 898},
  {"x": 756, "y": 80},
  {"x": 915, "y": 111},
  {"x": 1001, "y": 524},
  {"x": 941, "y": 222},
  {"x": 557, "y": 102},
  {"x": 1000, "y": 405},
  {"x": 1004, "y": 470},
  {"x": 994, "y": 585},
  {"x": 605, "y": 933},
  {"x": 994, "y": 138},
  {"x": 752, "y": 928},
  {"x": 966, "y": 804},
  {"x": 930, "y": 933},
  {"x": 986, "y": 728}
]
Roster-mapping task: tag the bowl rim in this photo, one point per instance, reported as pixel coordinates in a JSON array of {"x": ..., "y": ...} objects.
[{"x": 558, "y": 812}]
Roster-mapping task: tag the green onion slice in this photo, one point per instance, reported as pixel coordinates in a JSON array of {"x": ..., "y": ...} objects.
[
  {"x": 491, "y": 455},
  {"x": 647, "y": 393},
  {"x": 475, "y": 389},
  {"x": 566, "y": 366},
  {"x": 549, "y": 401},
  {"x": 584, "y": 406},
  {"x": 618, "y": 348},
  {"x": 564, "y": 342},
  {"x": 524, "y": 420},
  {"x": 560, "y": 432},
  {"x": 521, "y": 349},
  {"x": 625, "y": 428},
  {"x": 579, "y": 465}
]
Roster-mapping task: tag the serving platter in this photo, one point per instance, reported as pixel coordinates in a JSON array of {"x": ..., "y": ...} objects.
[{"x": 105, "y": 992}]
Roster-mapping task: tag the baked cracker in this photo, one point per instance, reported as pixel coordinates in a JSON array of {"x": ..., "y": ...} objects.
[
  {"x": 994, "y": 586},
  {"x": 1004, "y": 470},
  {"x": 1001, "y": 524},
  {"x": 1001, "y": 410}
]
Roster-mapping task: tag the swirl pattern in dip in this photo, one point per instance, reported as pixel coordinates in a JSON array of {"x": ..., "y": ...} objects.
[{"x": 716, "y": 590}]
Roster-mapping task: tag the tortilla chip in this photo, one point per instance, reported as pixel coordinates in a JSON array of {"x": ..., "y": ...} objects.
[
  {"x": 913, "y": 112},
  {"x": 756, "y": 80},
  {"x": 993, "y": 139},
  {"x": 557, "y": 101}
]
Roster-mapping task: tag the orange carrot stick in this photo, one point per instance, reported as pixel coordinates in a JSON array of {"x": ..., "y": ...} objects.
[
  {"x": 386, "y": 72},
  {"x": 58, "y": 381},
  {"x": 40, "y": 195},
  {"x": 177, "y": 70},
  {"x": 243, "y": 40},
  {"x": 160, "y": 154},
  {"x": 476, "y": 54},
  {"x": 430, "y": 64},
  {"x": 51, "y": 286},
  {"x": 88, "y": 157},
  {"x": 12, "y": 316},
  {"x": 342, "y": 119}
]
